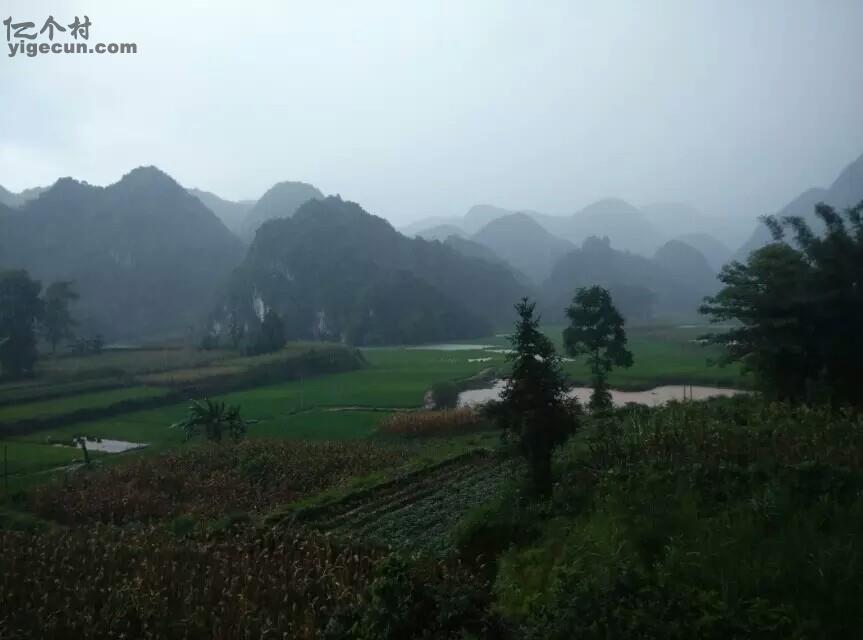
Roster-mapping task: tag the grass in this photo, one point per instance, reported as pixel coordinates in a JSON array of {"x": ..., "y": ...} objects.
[
  {"x": 29, "y": 457},
  {"x": 663, "y": 355},
  {"x": 60, "y": 406},
  {"x": 396, "y": 378}
]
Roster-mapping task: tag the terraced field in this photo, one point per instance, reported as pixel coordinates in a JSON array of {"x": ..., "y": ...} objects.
[{"x": 416, "y": 511}]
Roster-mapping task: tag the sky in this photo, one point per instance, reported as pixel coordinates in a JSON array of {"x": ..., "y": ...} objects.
[{"x": 417, "y": 109}]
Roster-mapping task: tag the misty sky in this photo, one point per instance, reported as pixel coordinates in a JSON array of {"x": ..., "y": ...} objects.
[{"x": 425, "y": 108}]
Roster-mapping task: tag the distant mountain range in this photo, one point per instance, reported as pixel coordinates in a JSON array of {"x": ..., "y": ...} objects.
[
  {"x": 639, "y": 230},
  {"x": 146, "y": 256},
  {"x": 281, "y": 201},
  {"x": 232, "y": 213},
  {"x": 13, "y": 200},
  {"x": 522, "y": 242},
  {"x": 152, "y": 259},
  {"x": 334, "y": 271},
  {"x": 846, "y": 191},
  {"x": 672, "y": 283}
]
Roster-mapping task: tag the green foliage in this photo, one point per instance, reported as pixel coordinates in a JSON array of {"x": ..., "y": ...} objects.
[
  {"x": 729, "y": 518},
  {"x": 491, "y": 528},
  {"x": 533, "y": 403},
  {"x": 409, "y": 599},
  {"x": 87, "y": 346},
  {"x": 799, "y": 309},
  {"x": 57, "y": 322},
  {"x": 146, "y": 257},
  {"x": 445, "y": 394},
  {"x": 335, "y": 272},
  {"x": 596, "y": 331},
  {"x": 20, "y": 310},
  {"x": 209, "y": 342},
  {"x": 216, "y": 419},
  {"x": 270, "y": 337}
]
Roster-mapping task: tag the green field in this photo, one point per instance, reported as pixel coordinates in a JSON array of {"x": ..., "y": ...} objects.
[
  {"x": 60, "y": 406},
  {"x": 338, "y": 406}
]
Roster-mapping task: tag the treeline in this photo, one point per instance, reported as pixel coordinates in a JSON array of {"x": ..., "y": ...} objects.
[
  {"x": 27, "y": 313},
  {"x": 797, "y": 309}
]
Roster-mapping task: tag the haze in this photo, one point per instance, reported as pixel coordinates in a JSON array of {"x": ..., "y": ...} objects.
[{"x": 424, "y": 109}]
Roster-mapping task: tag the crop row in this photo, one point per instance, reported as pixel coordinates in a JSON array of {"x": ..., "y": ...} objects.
[
  {"x": 418, "y": 512},
  {"x": 209, "y": 481}
]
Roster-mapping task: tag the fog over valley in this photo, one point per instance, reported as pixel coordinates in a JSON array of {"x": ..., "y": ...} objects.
[{"x": 391, "y": 320}]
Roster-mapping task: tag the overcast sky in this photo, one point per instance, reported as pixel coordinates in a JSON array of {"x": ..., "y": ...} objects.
[{"x": 425, "y": 108}]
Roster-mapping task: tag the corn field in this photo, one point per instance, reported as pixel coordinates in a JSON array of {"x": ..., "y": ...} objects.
[
  {"x": 431, "y": 423},
  {"x": 209, "y": 481}
]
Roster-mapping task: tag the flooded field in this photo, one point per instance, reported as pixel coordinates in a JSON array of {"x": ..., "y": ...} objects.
[{"x": 651, "y": 397}]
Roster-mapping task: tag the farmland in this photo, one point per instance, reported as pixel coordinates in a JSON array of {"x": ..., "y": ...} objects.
[{"x": 342, "y": 405}]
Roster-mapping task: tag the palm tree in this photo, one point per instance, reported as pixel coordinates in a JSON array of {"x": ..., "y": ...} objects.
[{"x": 215, "y": 419}]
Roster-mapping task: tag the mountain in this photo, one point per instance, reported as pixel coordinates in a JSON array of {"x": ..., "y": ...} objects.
[
  {"x": 13, "y": 200},
  {"x": 281, "y": 201},
  {"x": 440, "y": 232},
  {"x": 231, "y": 213},
  {"x": 642, "y": 287},
  {"x": 472, "y": 249},
  {"x": 146, "y": 256},
  {"x": 716, "y": 253},
  {"x": 626, "y": 226},
  {"x": 523, "y": 243},
  {"x": 334, "y": 271},
  {"x": 846, "y": 191},
  {"x": 481, "y": 215},
  {"x": 475, "y": 219},
  {"x": 687, "y": 264},
  {"x": 418, "y": 227}
]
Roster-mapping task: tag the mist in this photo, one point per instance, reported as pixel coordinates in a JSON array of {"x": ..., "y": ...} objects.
[{"x": 417, "y": 110}]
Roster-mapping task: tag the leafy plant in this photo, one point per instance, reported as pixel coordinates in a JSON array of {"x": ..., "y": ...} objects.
[{"x": 215, "y": 420}]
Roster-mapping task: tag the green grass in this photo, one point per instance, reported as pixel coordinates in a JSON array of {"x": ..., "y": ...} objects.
[
  {"x": 663, "y": 355},
  {"x": 29, "y": 457},
  {"x": 60, "y": 406},
  {"x": 396, "y": 378}
]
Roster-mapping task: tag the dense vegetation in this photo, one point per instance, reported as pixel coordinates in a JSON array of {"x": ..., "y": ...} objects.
[
  {"x": 641, "y": 287},
  {"x": 147, "y": 258},
  {"x": 370, "y": 285},
  {"x": 799, "y": 308}
]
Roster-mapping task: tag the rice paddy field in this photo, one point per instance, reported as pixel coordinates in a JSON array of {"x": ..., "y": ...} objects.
[{"x": 340, "y": 406}]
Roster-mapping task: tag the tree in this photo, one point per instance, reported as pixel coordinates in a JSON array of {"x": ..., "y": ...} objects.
[
  {"x": 596, "y": 330},
  {"x": 533, "y": 404},
  {"x": 766, "y": 302},
  {"x": 271, "y": 336},
  {"x": 799, "y": 309},
  {"x": 20, "y": 310},
  {"x": 57, "y": 321},
  {"x": 216, "y": 419}
]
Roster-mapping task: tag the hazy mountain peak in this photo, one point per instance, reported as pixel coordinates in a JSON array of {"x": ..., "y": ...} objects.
[
  {"x": 847, "y": 189},
  {"x": 147, "y": 178},
  {"x": 611, "y": 206},
  {"x": 523, "y": 243},
  {"x": 280, "y": 201}
]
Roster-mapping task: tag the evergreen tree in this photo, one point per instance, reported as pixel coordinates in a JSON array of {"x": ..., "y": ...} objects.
[{"x": 533, "y": 404}]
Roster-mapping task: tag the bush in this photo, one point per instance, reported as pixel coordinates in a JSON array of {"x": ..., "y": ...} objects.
[
  {"x": 445, "y": 395},
  {"x": 417, "y": 599},
  {"x": 490, "y": 529},
  {"x": 710, "y": 520}
]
